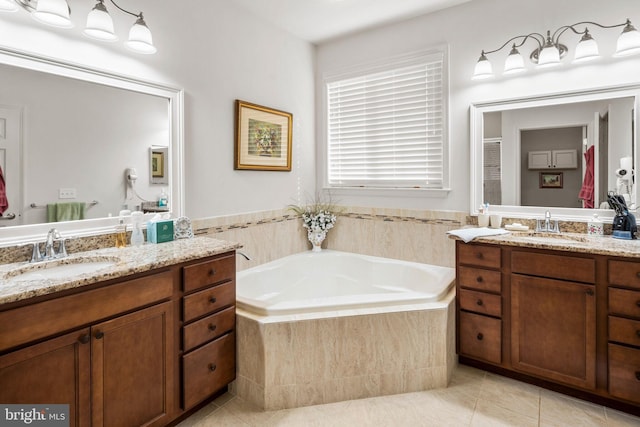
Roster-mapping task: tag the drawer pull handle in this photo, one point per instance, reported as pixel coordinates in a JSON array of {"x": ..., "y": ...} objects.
[
  {"x": 212, "y": 272},
  {"x": 479, "y": 255},
  {"x": 638, "y": 303},
  {"x": 479, "y": 279},
  {"x": 638, "y": 333},
  {"x": 638, "y": 274},
  {"x": 479, "y": 302},
  {"x": 213, "y": 327},
  {"x": 212, "y": 367},
  {"x": 590, "y": 292},
  {"x": 638, "y": 375},
  {"x": 85, "y": 338},
  {"x": 213, "y": 300},
  {"x": 480, "y": 336},
  {"x": 99, "y": 335}
]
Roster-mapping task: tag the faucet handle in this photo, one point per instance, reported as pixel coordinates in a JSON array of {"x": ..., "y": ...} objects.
[
  {"x": 35, "y": 252},
  {"x": 62, "y": 249}
]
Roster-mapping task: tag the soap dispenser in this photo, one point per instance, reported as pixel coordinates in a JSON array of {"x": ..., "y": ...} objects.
[
  {"x": 121, "y": 233},
  {"x": 595, "y": 227},
  {"x": 137, "y": 237}
]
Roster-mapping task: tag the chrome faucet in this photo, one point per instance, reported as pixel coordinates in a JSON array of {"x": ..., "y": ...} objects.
[
  {"x": 547, "y": 224},
  {"x": 49, "y": 247}
]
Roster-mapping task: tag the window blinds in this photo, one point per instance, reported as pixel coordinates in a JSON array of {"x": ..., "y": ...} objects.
[{"x": 386, "y": 129}]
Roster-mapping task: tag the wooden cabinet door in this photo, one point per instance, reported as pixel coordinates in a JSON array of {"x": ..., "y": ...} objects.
[
  {"x": 553, "y": 330},
  {"x": 132, "y": 367},
  {"x": 52, "y": 372}
]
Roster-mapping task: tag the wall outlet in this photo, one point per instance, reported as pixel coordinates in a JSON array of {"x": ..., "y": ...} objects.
[{"x": 67, "y": 193}]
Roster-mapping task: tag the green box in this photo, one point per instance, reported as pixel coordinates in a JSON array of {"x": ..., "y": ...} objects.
[{"x": 160, "y": 231}]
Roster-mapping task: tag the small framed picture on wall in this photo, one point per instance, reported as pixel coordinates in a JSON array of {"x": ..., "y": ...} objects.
[{"x": 550, "y": 179}]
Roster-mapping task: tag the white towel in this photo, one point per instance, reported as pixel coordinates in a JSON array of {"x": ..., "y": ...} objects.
[{"x": 468, "y": 234}]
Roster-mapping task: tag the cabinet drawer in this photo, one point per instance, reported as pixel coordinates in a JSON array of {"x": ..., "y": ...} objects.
[
  {"x": 554, "y": 266},
  {"x": 208, "y": 273},
  {"x": 623, "y": 302},
  {"x": 624, "y": 372},
  {"x": 36, "y": 321},
  {"x": 625, "y": 331},
  {"x": 481, "y": 337},
  {"x": 209, "y": 328},
  {"x": 482, "y": 280},
  {"x": 208, "y": 369},
  {"x": 209, "y": 300},
  {"x": 481, "y": 256},
  {"x": 624, "y": 273},
  {"x": 480, "y": 302}
]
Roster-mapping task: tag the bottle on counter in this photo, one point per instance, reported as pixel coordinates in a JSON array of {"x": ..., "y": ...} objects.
[
  {"x": 121, "y": 234},
  {"x": 137, "y": 236}
]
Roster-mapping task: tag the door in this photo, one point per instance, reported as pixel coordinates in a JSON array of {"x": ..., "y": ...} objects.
[
  {"x": 131, "y": 368},
  {"x": 11, "y": 163},
  {"x": 553, "y": 329},
  {"x": 53, "y": 372}
]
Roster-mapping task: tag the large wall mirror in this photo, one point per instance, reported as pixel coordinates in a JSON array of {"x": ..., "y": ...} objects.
[
  {"x": 75, "y": 147},
  {"x": 546, "y": 153}
]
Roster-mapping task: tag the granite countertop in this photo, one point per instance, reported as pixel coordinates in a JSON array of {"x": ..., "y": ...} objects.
[
  {"x": 126, "y": 261},
  {"x": 570, "y": 242}
]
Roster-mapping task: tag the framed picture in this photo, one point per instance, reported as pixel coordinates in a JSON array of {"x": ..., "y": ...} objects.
[
  {"x": 262, "y": 138},
  {"x": 550, "y": 179},
  {"x": 158, "y": 165}
]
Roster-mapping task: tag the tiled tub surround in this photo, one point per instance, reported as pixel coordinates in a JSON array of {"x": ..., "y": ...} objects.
[{"x": 300, "y": 360}]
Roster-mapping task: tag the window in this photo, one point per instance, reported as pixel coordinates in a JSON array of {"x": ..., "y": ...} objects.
[{"x": 386, "y": 128}]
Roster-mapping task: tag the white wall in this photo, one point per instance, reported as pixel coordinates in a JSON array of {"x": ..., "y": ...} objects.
[
  {"x": 469, "y": 28},
  {"x": 217, "y": 53}
]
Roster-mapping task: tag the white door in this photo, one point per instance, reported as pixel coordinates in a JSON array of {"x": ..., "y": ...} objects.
[{"x": 11, "y": 163}]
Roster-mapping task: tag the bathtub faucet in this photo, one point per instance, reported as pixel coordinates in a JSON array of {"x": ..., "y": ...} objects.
[{"x": 247, "y": 257}]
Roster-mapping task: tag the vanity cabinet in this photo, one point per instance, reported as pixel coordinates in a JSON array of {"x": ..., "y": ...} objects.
[
  {"x": 140, "y": 350},
  {"x": 624, "y": 329},
  {"x": 208, "y": 332},
  {"x": 563, "y": 320}
]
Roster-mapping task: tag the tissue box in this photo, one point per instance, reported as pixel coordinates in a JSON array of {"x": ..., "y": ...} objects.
[{"x": 160, "y": 231}]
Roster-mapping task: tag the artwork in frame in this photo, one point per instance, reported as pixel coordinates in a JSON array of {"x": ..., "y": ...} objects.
[
  {"x": 550, "y": 179},
  {"x": 158, "y": 165},
  {"x": 262, "y": 138}
]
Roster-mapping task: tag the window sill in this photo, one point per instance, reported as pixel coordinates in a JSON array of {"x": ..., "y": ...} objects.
[{"x": 439, "y": 193}]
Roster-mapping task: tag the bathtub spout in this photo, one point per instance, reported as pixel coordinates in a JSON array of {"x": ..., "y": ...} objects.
[{"x": 247, "y": 257}]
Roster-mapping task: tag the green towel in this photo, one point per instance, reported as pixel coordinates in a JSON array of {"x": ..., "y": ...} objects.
[{"x": 65, "y": 211}]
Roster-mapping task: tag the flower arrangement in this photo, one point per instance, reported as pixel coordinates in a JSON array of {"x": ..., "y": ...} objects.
[{"x": 318, "y": 218}]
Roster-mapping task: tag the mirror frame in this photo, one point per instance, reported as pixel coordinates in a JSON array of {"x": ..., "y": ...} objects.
[
  {"x": 476, "y": 149},
  {"x": 12, "y": 235}
]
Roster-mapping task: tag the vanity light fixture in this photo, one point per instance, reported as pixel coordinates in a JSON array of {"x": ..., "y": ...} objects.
[
  {"x": 550, "y": 51},
  {"x": 99, "y": 24}
]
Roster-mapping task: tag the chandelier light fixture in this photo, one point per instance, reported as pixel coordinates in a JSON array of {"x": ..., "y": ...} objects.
[
  {"x": 550, "y": 51},
  {"x": 99, "y": 24}
]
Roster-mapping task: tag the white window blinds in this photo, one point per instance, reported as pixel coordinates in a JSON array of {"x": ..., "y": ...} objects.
[{"x": 386, "y": 129}]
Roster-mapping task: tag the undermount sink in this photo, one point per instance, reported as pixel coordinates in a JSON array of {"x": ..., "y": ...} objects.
[
  {"x": 65, "y": 268},
  {"x": 571, "y": 238}
]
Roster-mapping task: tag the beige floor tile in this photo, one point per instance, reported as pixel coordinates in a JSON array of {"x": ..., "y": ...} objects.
[
  {"x": 559, "y": 410},
  {"x": 443, "y": 407},
  {"x": 330, "y": 415},
  {"x": 221, "y": 418},
  {"x": 200, "y": 415},
  {"x": 247, "y": 413},
  {"x": 508, "y": 394},
  {"x": 620, "y": 419},
  {"x": 488, "y": 414}
]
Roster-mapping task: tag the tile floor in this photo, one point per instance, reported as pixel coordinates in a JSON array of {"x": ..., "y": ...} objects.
[{"x": 473, "y": 398}]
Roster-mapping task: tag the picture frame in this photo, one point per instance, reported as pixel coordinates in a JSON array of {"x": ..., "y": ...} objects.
[
  {"x": 263, "y": 138},
  {"x": 551, "y": 179},
  {"x": 159, "y": 165}
]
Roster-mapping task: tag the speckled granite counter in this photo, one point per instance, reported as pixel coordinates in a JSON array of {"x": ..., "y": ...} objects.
[
  {"x": 570, "y": 242},
  {"x": 127, "y": 261}
]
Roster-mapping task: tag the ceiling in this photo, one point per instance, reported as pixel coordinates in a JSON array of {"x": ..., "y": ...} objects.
[{"x": 320, "y": 20}]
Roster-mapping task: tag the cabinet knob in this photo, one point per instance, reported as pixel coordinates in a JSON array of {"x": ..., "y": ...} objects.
[
  {"x": 212, "y": 367},
  {"x": 638, "y": 375},
  {"x": 213, "y": 300},
  {"x": 638, "y": 274},
  {"x": 99, "y": 335},
  {"x": 589, "y": 292},
  {"x": 213, "y": 327},
  {"x": 638, "y": 333},
  {"x": 479, "y": 279},
  {"x": 638, "y": 303},
  {"x": 479, "y": 302},
  {"x": 212, "y": 272},
  {"x": 85, "y": 338},
  {"x": 479, "y": 255},
  {"x": 480, "y": 336}
]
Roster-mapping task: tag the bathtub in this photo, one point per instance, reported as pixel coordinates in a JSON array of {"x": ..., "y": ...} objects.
[
  {"x": 312, "y": 282},
  {"x": 316, "y": 328}
]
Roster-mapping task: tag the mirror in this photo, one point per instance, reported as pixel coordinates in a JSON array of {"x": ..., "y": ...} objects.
[
  {"x": 528, "y": 155},
  {"x": 85, "y": 141}
]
